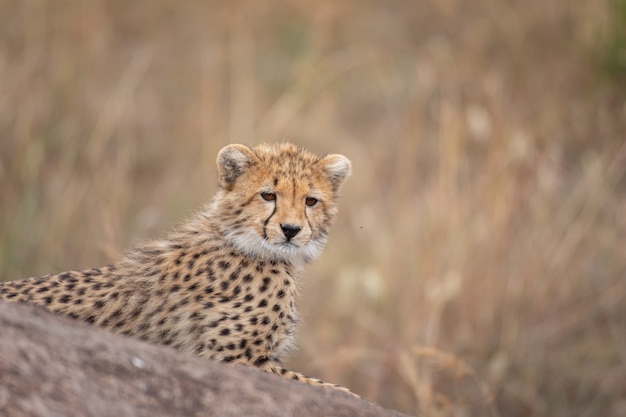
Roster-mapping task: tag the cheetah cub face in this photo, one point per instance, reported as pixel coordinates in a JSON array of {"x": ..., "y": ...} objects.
[{"x": 279, "y": 200}]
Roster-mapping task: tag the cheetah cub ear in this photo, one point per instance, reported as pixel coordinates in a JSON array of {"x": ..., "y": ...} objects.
[
  {"x": 232, "y": 161},
  {"x": 338, "y": 168}
]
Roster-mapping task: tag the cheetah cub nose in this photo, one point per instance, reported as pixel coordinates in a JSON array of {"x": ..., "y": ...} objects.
[{"x": 290, "y": 230}]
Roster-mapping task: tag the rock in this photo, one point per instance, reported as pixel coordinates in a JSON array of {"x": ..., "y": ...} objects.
[{"x": 55, "y": 366}]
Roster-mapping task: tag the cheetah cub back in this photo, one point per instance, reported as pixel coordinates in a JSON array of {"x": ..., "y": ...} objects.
[{"x": 223, "y": 285}]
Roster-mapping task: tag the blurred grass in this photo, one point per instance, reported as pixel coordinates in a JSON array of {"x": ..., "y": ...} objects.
[
  {"x": 478, "y": 265},
  {"x": 614, "y": 41}
]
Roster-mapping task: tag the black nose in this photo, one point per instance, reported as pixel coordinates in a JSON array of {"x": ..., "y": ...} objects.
[{"x": 290, "y": 230}]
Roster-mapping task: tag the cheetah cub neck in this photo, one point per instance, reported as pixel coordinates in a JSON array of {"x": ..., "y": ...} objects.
[{"x": 277, "y": 202}]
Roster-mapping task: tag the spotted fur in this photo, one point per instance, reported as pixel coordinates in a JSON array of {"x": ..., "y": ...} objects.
[{"x": 223, "y": 286}]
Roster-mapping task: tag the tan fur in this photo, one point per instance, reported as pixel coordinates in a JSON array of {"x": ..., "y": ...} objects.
[{"x": 224, "y": 285}]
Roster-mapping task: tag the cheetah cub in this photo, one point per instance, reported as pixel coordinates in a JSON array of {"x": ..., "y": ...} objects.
[{"x": 222, "y": 286}]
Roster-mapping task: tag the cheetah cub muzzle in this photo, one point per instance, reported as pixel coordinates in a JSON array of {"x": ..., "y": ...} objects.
[{"x": 223, "y": 285}]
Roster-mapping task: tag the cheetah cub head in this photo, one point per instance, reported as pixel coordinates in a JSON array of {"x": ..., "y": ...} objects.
[{"x": 278, "y": 201}]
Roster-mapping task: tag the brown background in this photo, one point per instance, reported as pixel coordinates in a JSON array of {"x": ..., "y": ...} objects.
[{"x": 479, "y": 260}]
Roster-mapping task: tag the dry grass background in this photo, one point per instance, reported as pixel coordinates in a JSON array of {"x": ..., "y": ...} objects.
[{"x": 478, "y": 265}]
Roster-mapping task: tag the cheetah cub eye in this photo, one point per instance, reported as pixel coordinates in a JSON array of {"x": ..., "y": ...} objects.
[{"x": 268, "y": 196}]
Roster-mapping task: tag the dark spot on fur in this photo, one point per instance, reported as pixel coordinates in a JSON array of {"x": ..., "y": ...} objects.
[
  {"x": 210, "y": 274},
  {"x": 66, "y": 276},
  {"x": 137, "y": 311},
  {"x": 266, "y": 282},
  {"x": 261, "y": 360},
  {"x": 196, "y": 316}
]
